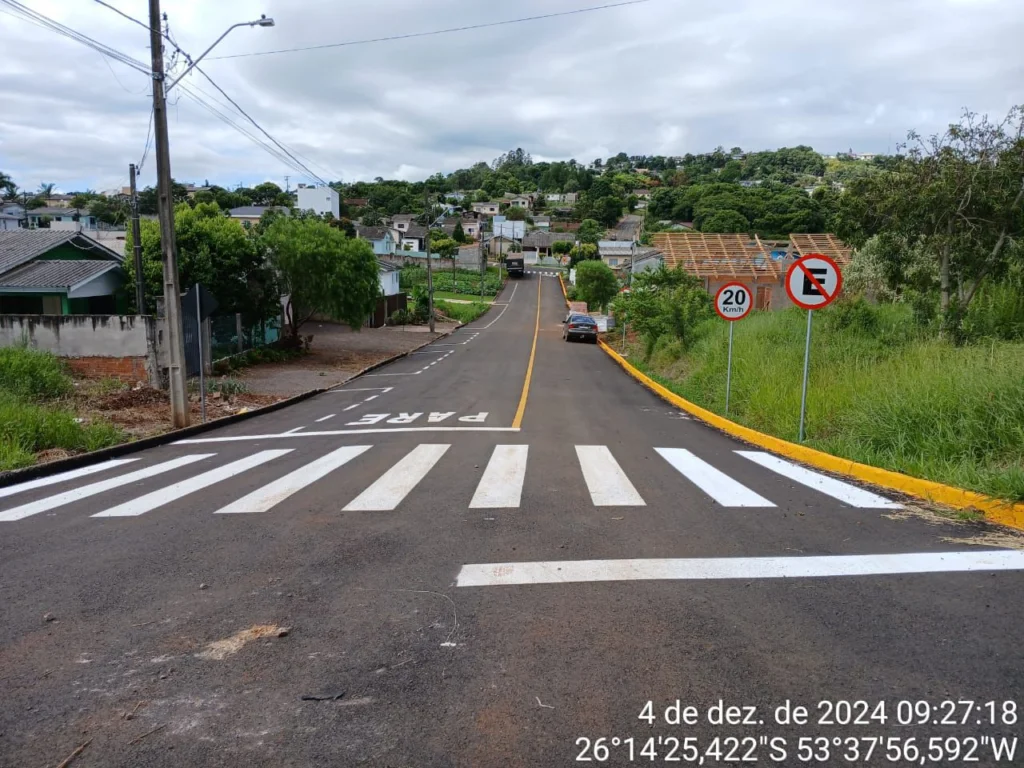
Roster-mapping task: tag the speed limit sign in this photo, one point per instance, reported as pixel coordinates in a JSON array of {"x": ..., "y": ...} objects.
[{"x": 732, "y": 302}]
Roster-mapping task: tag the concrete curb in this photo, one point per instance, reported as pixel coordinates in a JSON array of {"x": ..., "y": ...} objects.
[
  {"x": 14, "y": 476},
  {"x": 996, "y": 510}
]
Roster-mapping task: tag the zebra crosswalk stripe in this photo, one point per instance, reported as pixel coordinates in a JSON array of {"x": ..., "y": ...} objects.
[
  {"x": 607, "y": 483},
  {"x": 716, "y": 484},
  {"x": 151, "y": 501},
  {"x": 502, "y": 481},
  {"x": 274, "y": 493},
  {"x": 52, "y": 502},
  {"x": 389, "y": 489},
  {"x": 850, "y": 494},
  {"x": 62, "y": 476}
]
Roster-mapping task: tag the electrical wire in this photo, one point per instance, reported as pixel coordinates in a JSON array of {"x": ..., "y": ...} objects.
[
  {"x": 40, "y": 19},
  {"x": 145, "y": 149},
  {"x": 433, "y": 32},
  {"x": 227, "y": 120},
  {"x": 260, "y": 128},
  {"x": 119, "y": 12}
]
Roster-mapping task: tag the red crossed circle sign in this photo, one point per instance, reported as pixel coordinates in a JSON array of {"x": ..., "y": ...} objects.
[
  {"x": 733, "y": 301},
  {"x": 814, "y": 281}
]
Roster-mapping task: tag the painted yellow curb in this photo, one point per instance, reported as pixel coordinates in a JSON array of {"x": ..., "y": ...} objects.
[
  {"x": 564, "y": 294},
  {"x": 1004, "y": 512}
]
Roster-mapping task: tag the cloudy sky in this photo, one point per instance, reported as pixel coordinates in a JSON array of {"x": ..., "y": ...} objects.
[{"x": 659, "y": 77}]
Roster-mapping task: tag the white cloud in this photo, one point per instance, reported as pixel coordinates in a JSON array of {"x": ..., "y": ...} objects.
[{"x": 661, "y": 77}]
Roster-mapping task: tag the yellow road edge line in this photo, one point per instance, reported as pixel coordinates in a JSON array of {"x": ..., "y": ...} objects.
[
  {"x": 996, "y": 510},
  {"x": 518, "y": 420}
]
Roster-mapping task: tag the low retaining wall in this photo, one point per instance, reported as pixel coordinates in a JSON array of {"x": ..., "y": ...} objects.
[{"x": 116, "y": 346}]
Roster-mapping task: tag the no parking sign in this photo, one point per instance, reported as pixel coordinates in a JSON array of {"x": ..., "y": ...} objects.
[{"x": 813, "y": 282}]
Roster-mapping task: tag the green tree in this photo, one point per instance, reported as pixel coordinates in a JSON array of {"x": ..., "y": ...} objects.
[
  {"x": 445, "y": 247},
  {"x": 515, "y": 213},
  {"x": 562, "y": 247},
  {"x": 726, "y": 221},
  {"x": 631, "y": 203},
  {"x": 582, "y": 252},
  {"x": 590, "y": 231},
  {"x": 46, "y": 189},
  {"x": 322, "y": 271},
  {"x": 959, "y": 195},
  {"x": 665, "y": 301},
  {"x": 596, "y": 283},
  {"x": 267, "y": 193},
  {"x": 8, "y": 189},
  {"x": 215, "y": 251},
  {"x": 459, "y": 234},
  {"x": 81, "y": 200}
]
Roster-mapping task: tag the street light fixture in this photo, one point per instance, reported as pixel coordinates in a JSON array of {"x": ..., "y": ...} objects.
[
  {"x": 165, "y": 207},
  {"x": 262, "y": 21}
]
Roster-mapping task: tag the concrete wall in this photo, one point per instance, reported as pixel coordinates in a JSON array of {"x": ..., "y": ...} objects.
[{"x": 122, "y": 346}]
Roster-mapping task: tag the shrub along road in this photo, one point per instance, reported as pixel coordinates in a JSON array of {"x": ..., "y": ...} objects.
[{"x": 478, "y": 555}]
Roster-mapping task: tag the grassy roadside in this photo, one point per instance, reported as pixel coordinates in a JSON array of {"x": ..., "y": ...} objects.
[
  {"x": 475, "y": 298},
  {"x": 463, "y": 313},
  {"x": 880, "y": 392},
  {"x": 36, "y": 414}
]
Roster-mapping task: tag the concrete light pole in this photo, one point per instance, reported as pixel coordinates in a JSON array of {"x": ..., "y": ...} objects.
[{"x": 165, "y": 208}]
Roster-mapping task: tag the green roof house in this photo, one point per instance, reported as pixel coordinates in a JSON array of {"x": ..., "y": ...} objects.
[{"x": 55, "y": 272}]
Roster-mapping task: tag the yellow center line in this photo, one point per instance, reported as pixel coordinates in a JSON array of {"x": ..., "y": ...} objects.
[{"x": 518, "y": 420}]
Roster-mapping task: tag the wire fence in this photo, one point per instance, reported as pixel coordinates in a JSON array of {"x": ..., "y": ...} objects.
[{"x": 229, "y": 336}]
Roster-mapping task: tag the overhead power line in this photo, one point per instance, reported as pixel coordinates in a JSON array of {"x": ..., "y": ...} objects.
[
  {"x": 39, "y": 19},
  {"x": 433, "y": 32},
  {"x": 307, "y": 172}
]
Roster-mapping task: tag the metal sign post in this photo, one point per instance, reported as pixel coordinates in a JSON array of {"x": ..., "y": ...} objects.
[
  {"x": 199, "y": 341},
  {"x": 732, "y": 303},
  {"x": 812, "y": 282}
]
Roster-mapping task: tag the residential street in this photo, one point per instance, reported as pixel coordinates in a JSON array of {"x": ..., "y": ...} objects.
[{"x": 389, "y": 526}]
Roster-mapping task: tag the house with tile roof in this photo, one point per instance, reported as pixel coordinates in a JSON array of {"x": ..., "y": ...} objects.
[{"x": 58, "y": 272}]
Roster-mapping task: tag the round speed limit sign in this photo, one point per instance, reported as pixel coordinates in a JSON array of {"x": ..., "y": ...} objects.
[{"x": 733, "y": 301}]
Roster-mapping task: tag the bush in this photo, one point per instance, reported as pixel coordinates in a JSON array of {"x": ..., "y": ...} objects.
[
  {"x": 400, "y": 317},
  {"x": 856, "y": 315},
  {"x": 33, "y": 375}
]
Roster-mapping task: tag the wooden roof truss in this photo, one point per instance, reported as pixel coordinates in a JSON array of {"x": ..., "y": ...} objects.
[
  {"x": 718, "y": 256},
  {"x": 826, "y": 245}
]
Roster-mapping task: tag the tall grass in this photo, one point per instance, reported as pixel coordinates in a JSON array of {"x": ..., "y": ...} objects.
[
  {"x": 33, "y": 418},
  {"x": 881, "y": 392},
  {"x": 32, "y": 375}
]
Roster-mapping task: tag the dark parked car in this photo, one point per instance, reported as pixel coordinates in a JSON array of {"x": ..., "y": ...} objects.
[{"x": 581, "y": 327}]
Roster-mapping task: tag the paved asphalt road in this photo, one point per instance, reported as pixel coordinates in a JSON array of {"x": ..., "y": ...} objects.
[{"x": 397, "y": 531}]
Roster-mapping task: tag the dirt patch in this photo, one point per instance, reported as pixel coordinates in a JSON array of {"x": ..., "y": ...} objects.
[
  {"x": 145, "y": 412},
  {"x": 336, "y": 353}
]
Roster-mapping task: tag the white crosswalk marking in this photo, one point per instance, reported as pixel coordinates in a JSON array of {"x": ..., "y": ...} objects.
[
  {"x": 607, "y": 483},
  {"x": 62, "y": 476},
  {"x": 52, "y": 502},
  {"x": 716, "y": 484},
  {"x": 850, "y": 494},
  {"x": 274, "y": 493},
  {"x": 394, "y": 485},
  {"x": 151, "y": 501},
  {"x": 502, "y": 481}
]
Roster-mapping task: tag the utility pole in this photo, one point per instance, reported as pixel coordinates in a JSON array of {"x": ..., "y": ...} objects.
[
  {"x": 430, "y": 269},
  {"x": 483, "y": 260},
  {"x": 165, "y": 207},
  {"x": 140, "y": 297},
  {"x": 287, "y": 188}
]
